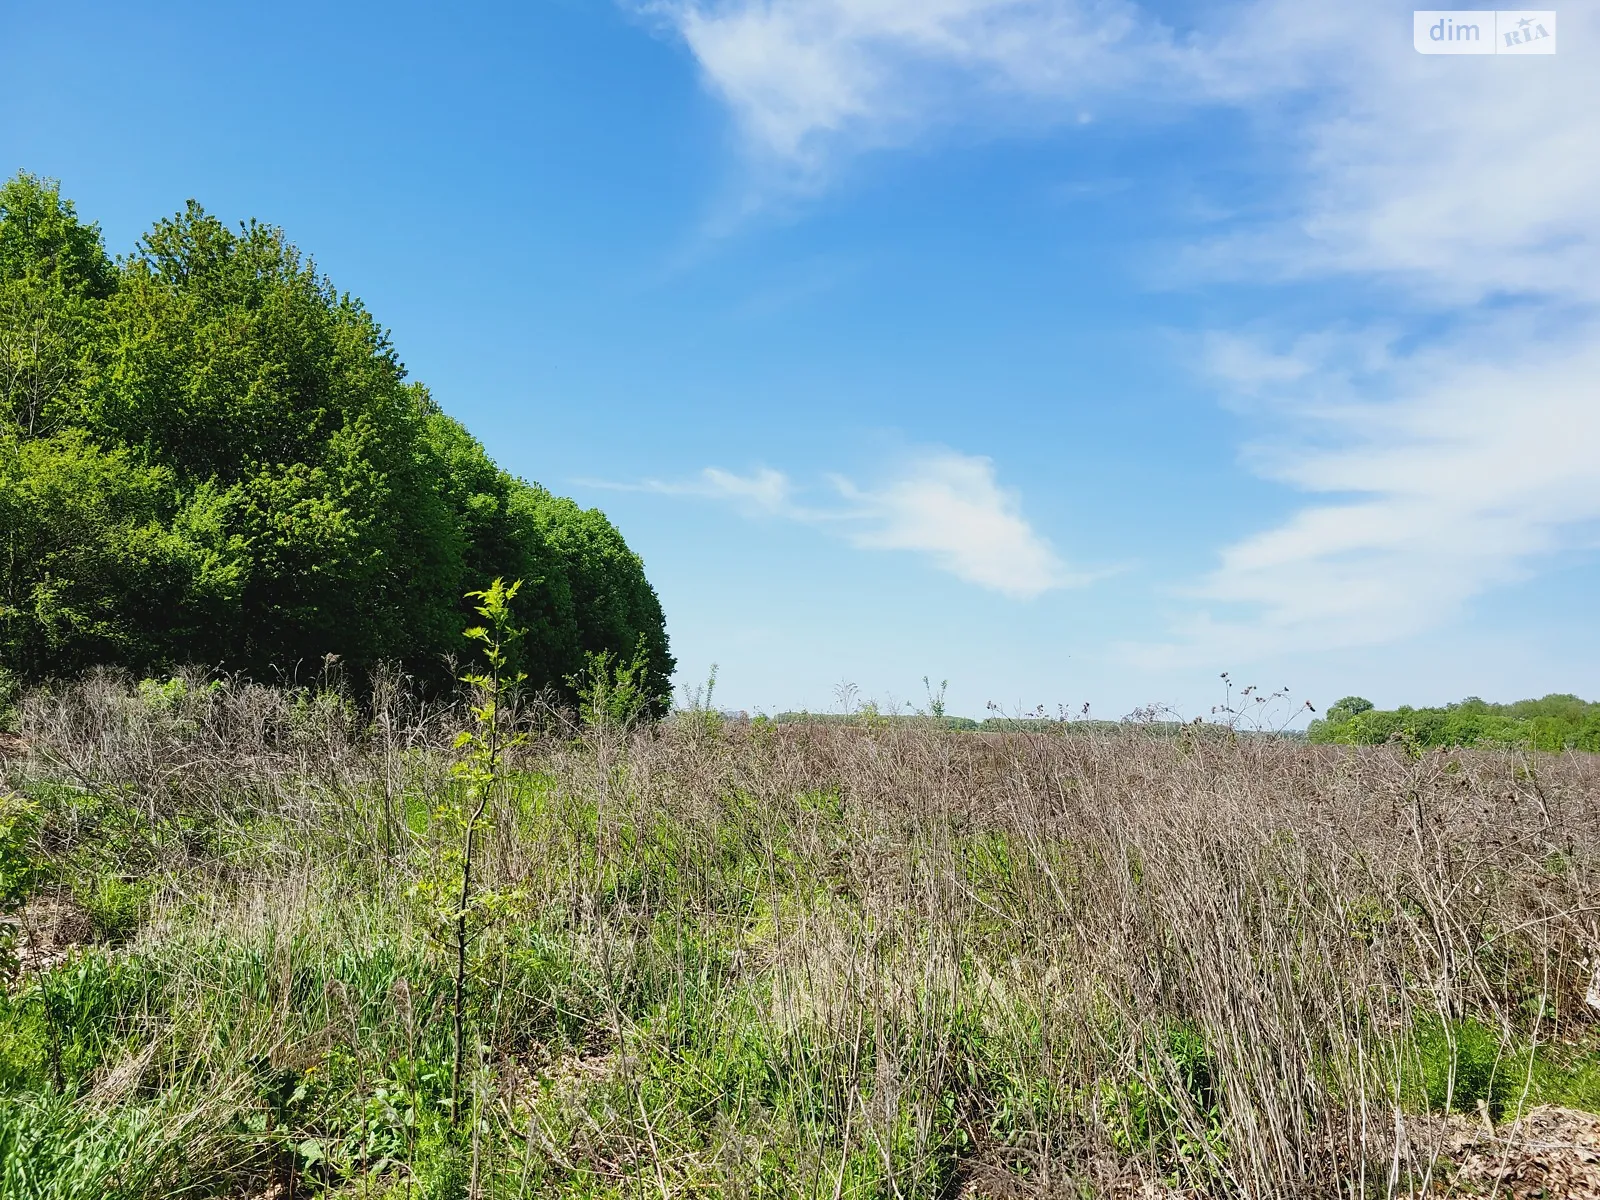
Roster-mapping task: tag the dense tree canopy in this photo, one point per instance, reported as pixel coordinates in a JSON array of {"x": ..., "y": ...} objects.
[
  {"x": 208, "y": 454},
  {"x": 1554, "y": 723}
]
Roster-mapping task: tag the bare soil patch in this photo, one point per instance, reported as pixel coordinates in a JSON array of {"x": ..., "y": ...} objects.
[
  {"x": 50, "y": 928},
  {"x": 1549, "y": 1153}
]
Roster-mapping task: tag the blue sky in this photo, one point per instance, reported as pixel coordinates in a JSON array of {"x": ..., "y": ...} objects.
[{"x": 1073, "y": 351}]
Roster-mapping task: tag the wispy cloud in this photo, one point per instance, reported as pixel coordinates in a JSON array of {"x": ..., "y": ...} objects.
[
  {"x": 1467, "y": 464},
  {"x": 1451, "y": 463},
  {"x": 947, "y": 506},
  {"x": 1454, "y": 183},
  {"x": 951, "y": 507},
  {"x": 762, "y": 491},
  {"x": 809, "y": 80},
  {"x": 1460, "y": 177}
]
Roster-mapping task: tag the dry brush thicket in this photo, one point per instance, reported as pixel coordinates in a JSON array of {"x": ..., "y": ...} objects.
[{"x": 808, "y": 960}]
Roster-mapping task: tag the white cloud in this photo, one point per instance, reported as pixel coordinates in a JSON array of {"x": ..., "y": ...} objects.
[
  {"x": 1483, "y": 461},
  {"x": 805, "y": 78},
  {"x": 1458, "y": 177},
  {"x": 950, "y": 507},
  {"x": 1461, "y": 176},
  {"x": 763, "y": 491},
  {"x": 947, "y": 506},
  {"x": 766, "y": 490},
  {"x": 1466, "y": 458}
]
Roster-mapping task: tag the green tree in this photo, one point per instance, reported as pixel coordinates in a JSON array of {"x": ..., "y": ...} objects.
[
  {"x": 1555, "y": 722},
  {"x": 502, "y": 540},
  {"x": 42, "y": 239},
  {"x": 616, "y": 608},
  {"x": 226, "y": 359},
  {"x": 101, "y": 561},
  {"x": 208, "y": 453},
  {"x": 54, "y": 276},
  {"x": 1350, "y": 706}
]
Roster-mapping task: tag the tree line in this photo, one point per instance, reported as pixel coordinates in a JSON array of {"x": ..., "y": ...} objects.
[
  {"x": 208, "y": 454},
  {"x": 1556, "y": 722}
]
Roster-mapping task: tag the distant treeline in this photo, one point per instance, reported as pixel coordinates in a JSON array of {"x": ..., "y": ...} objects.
[
  {"x": 990, "y": 724},
  {"x": 1011, "y": 724},
  {"x": 1557, "y": 722}
]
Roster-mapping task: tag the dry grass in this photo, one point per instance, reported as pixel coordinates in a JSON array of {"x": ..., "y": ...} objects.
[{"x": 818, "y": 960}]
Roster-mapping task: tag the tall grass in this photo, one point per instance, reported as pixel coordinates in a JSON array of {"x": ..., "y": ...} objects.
[{"x": 801, "y": 960}]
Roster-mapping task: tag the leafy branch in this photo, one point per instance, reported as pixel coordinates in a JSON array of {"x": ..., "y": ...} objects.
[{"x": 458, "y": 905}]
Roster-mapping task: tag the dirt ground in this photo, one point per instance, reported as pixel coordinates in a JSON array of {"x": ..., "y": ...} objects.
[
  {"x": 50, "y": 928},
  {"x": 1549, "y": 1154}
]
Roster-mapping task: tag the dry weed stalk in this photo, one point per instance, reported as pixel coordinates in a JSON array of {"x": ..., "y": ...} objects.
[{"x": 1083, "y": 956}]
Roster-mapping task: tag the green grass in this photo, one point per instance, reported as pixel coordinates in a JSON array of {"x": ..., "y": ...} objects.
[
  {"x": 52, "y": 1149},
  {"x": 1569, "y": 1077}
]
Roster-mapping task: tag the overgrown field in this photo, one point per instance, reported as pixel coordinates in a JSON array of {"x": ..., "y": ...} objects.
[{"x": 725, "y": 959}]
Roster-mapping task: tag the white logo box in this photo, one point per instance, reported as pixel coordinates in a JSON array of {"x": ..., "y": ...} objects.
[{"x": 1483, "y": 31}]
